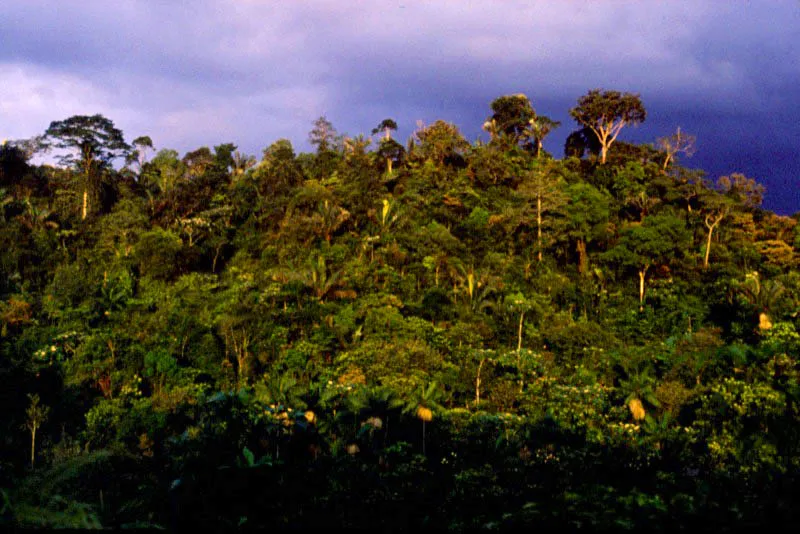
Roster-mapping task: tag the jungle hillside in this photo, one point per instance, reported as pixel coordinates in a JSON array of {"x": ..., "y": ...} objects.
[{"x": 434, "y": 333}]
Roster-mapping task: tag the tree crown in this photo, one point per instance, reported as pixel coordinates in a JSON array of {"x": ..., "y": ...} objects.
[{"x": 603, "y": 109}]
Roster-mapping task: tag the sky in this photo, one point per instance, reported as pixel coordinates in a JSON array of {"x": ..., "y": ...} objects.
[{"x": 201, "y": 72}]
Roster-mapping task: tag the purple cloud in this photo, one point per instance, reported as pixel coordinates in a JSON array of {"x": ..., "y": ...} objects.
[{"x": 207, "y": 72}]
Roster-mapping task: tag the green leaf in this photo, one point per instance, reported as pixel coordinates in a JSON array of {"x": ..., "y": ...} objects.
[{"x": 248, "y": 455}]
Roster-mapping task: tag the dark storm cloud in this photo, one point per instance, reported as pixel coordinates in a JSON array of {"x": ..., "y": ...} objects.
[{"x": 194, "y": 73}]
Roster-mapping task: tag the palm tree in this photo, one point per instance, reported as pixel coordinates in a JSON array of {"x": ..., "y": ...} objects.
[
  {"x": 330, "y": 218},
  {"x": 639, "y": 387},
  {"x": 36, "y": 218},
  {"x": 319, "y": 279},
  {"x": 282, "y": 390},
  {"x": 378, "y": 403},
  {"x": 356, "y": 146},
  {"x": 538, "y": 128},
  {"x": 480, "y": 288},
  {"x": 764, "y": 296},
  {"x": 422, "y": 403}
]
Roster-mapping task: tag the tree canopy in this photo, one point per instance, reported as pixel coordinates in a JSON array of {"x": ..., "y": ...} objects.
[
  {"x": 440, "y": 334},
  {"x": 605, "y": 113}
]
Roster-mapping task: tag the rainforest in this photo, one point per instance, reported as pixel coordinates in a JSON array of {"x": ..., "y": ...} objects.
[{"x": 433, "y": 334}]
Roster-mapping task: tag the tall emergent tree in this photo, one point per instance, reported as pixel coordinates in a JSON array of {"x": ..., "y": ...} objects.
[
  {"x": 323, "y": 135},
  {"x": 606, "y": 112},
  {"x": 385, "y": 127},
  {"x": 538, "y": 129},
  {"x": 138, "y": 154},
  {"x": 512, "y": 115},
  {"x": 97, "y": 143},
  {"x": 389, "y": 149}
]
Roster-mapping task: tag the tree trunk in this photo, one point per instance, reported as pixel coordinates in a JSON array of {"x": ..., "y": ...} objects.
[
  {"x": 423, "y": 437},
  {"x": 217, "y": 251},
  {"x": 583, "y": 261},
  {"x": 642, "y": 274},
  {"x": 519, "y": 350},
  {"x": 388, "y": 165},
  {"x": 710, "y": 224},
  {"x": 33, "y": 445},
  {"x": 708, "y": 248},
  {"x": 478, "y": 384},
  {"x": 88, "y": 162},
  {"x": 539, "y": 224}
]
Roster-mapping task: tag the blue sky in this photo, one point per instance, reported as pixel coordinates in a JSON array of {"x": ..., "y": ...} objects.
[{"x": 249, "y": 71}]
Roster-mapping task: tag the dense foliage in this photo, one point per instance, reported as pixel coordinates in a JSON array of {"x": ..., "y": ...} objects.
[{"x": 444, "y": 334}]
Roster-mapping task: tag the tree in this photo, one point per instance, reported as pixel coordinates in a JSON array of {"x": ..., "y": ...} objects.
[
  {"x": 763, "y": 296},
  {"x": 278, "y": 172},
  {"x": 386, "y": 126},
  {"x": 356, "y": 147},
  {"x": 390, "y": 151},
  {"x": 237, "y": 318},
  {"x": 587, "y": 218},
  {"x": 544, "y": 188},
  {"x": 733, "y": 196},
  {"x": 635, "y": 186},
  {"x": 330, "y": 218},
  {"x": 139, "y": 153},
  {"x": 715, "y": 209},
  {"x": 440, "y": 142},
  {"x": 198, "y": 161},
  {"x": 606, "y": 112},
  {"x": 581, "y": 142},
  {"x": 242, "y": 163},
  {"x": 519, "y": 303},
  {"x": 741, "y": 189},
  {"x": 328, "y": 144},
  {"x": 37, "y": 415},
  {"x": 639, "y": 386},
  {"x": 512, "y": 115},
  {"x": 687, "y": 187},
  {"x": 322, "y": 282},
  {"x": 13, "y": 164},
  {"x": 97, "y": 143},
  {"x": 422, "y": 404},
  {"x": 654, "y": 242},
  {"x": 323, "y": 135},
  {"x": 538, "y": 129},
  {"x": 675, "y": 144},
  {"x": 483, "y": 356}
]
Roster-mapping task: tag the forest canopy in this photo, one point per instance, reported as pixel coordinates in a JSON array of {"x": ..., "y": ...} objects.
[{"x": 435, "y": 334}]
